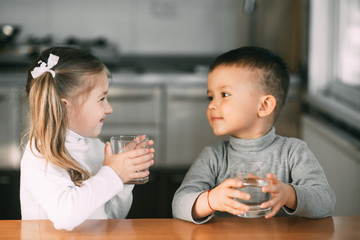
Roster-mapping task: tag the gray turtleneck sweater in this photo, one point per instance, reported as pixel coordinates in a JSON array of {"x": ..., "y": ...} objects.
[{"x": 289, "y": 159}]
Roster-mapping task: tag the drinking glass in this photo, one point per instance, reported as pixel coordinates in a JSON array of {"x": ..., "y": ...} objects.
[
  {"x": 252, "y": 174},
  {"x": 124, "y": 143}
]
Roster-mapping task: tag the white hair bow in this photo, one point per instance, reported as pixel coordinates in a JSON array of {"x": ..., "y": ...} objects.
[{"x": 45, "y": 67}]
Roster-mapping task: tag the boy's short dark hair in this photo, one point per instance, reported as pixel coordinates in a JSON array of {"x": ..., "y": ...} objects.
[{"x": 275, "y": 79}]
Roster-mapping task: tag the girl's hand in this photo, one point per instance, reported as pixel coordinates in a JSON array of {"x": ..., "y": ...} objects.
[
  {"x": 128, "y": 164},
  {"x": 150, "y": 142},
  {"x": 134, "y": 145},
  {"x": 281, "y": 194}
]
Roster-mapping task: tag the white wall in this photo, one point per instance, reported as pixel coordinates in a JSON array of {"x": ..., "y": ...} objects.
[{"x": 136, "y": 26}]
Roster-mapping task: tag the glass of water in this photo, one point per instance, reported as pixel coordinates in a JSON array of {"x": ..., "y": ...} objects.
[
  {"x": 252, "y": 174},
  {"x": 124, "y": 143}
]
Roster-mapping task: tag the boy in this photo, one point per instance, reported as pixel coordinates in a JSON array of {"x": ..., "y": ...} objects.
[{"x": 247, "y": 88}]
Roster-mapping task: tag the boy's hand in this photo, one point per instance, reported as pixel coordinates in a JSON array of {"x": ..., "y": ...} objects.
[
  {"x": 281, "y": 194},
  {"x": 128, "y": 164},
  {"x": 222, "y": 197}
]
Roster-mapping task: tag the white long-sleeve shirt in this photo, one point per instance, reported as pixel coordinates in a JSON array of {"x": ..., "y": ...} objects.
[{"x": 47, "y": 192}]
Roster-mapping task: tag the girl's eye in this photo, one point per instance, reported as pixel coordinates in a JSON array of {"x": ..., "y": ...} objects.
[
  {"x": 210, "y": 98},
  {"x": 225, "y": 94},
  {"x": 102, "y": 99}
]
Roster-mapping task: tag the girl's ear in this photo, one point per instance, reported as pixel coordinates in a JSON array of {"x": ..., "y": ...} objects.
[
  {"x": 268, "y": 104},
  {"x": 65, "y": 102}
]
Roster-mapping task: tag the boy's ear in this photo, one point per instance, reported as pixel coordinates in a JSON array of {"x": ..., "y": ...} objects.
[{"x": 268, "y": 104}]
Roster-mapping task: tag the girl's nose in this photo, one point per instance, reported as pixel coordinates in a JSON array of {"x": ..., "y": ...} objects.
[{"x": 108, "y": 109}]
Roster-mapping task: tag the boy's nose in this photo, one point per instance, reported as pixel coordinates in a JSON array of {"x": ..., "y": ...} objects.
[{"x": 212, "y": 106}]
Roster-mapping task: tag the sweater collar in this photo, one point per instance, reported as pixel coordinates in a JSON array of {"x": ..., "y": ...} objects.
[
  {"x": 73, "y": 137},
  {"x": 252, "y": 145}
]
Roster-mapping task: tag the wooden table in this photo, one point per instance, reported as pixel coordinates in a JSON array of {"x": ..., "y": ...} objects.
[{"x": 290, "y": 228}]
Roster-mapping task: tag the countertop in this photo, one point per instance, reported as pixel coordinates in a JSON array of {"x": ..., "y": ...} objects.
[{"x": 166, "y": 228}]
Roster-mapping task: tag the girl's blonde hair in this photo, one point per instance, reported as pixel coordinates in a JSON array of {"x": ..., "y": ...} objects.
[{"x": 47, "y": 112}]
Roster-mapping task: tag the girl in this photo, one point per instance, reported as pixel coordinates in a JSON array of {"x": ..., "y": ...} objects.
[{"x": 67, "y": 174}]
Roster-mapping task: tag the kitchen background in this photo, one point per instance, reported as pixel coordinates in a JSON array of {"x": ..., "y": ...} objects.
[{"x": 159, "y": 52}]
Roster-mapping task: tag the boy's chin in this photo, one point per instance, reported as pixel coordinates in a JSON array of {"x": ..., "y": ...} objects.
[{"x": 219, "y": 133}]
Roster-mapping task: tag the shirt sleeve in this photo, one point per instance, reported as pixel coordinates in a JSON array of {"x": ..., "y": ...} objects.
[
  {"x": 315, "y": 198},
  {"x": 198, "y": 179},
  {"x": 66, "y": 204}
]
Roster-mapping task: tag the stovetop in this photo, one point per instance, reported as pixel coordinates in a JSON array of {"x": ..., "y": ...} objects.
[{"x": 20, "y": 54}]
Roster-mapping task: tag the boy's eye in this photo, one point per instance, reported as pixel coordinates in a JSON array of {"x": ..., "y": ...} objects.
[
  {"x": 210, "y": 98},
  {"x": 103, "y": 99},
  {"x": 225, "y": 94}
]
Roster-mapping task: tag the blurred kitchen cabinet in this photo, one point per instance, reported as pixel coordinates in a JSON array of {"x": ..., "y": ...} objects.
[
  {"x": 137, "y": 109},
  {"x": 135, "y": 105},
  {"x": 171, "y": 111},
  {"x": 9, "y": 127},
  {"x": 154, "y": 199},
  {"x": 9, "y": 200},
  {"x": 187, "y": 127},
  {"x": 147, "y": 197},
  {"x": 11, "y": 98}
]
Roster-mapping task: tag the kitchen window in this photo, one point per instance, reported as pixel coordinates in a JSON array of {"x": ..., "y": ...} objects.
[
  {"x": 334, "y": 60},
  {"x": 347, "y": 48}
]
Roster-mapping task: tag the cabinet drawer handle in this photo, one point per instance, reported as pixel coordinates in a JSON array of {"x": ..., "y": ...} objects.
[
  {"x": 188, "y": 98},
  {"x": 132, "y": 98}
]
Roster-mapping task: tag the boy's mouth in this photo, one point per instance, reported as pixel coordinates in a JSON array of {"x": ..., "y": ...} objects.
[{"x": 216, "y": 118}]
